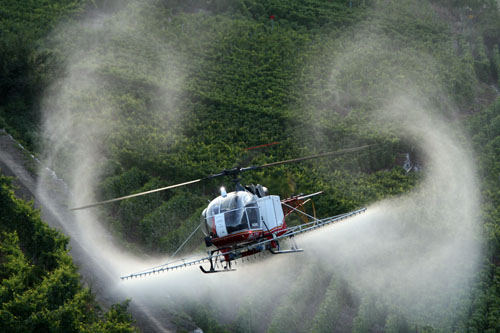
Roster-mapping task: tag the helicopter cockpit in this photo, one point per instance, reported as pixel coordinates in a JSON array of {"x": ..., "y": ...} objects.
[{"x": 230, "y": 213}]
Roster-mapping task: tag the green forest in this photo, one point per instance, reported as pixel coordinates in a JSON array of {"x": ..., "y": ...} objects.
[{"x": 144, "y": 94}]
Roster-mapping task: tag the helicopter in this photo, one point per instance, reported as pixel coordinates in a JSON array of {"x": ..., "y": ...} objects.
[{"x": 245, "y": 222}]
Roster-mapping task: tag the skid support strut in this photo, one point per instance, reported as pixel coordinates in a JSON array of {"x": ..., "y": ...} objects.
[
  {"x": 294, "y": 248},
  {"x": 213, "y": 269}
]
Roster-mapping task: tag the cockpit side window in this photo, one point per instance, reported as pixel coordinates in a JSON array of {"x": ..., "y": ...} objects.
[{"x": 253, "y": 217}]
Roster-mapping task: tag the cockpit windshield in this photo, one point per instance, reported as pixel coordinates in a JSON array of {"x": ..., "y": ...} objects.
[{"x": 235, "y": 212}]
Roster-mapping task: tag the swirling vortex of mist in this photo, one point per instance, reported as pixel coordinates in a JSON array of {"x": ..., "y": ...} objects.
[{"x": 417, "y": 252}]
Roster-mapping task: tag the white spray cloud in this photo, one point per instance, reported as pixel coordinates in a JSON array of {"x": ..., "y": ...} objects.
[
  {"x": 82, "y": 112},
  {"x": 418, "y": 252}
]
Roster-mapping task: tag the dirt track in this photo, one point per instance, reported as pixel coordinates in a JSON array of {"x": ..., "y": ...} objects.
[{"x": 17, "y": 162}]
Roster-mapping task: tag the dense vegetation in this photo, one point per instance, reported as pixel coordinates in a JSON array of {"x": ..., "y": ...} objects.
[
  {"x": 485, "y": 129},
  {"x": 184, "y": 91},
  {"x": 40, "y": 289}
]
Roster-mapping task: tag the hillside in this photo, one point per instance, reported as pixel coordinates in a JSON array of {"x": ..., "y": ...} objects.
[
  {"x": 125, "y": 96},
  {"x": 40, "y": 286}
]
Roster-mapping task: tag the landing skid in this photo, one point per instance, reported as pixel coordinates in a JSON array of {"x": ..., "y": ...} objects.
[
  {"x": 228, "y": 258},
  {"x": 211, "y": 270},
  {"x": 285, "y": 251}
]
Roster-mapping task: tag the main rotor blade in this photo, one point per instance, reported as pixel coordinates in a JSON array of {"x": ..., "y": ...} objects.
[
  {"x": 338, "y": 152},
  {"x": 231, "y": 172},
  {"x": 138, "y": 194}
]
